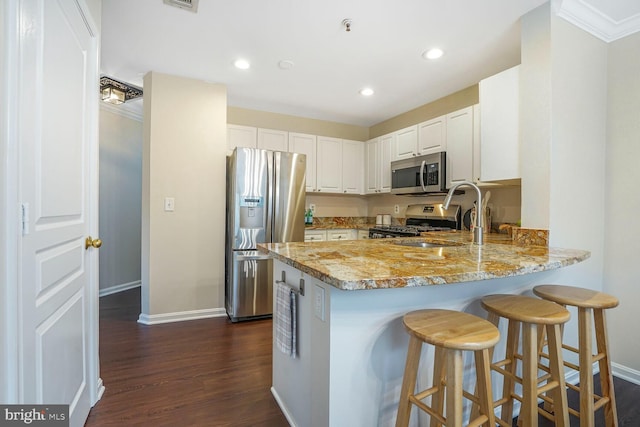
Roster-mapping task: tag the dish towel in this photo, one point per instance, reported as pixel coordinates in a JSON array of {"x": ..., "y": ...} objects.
[{"x": 285, "y": 318}]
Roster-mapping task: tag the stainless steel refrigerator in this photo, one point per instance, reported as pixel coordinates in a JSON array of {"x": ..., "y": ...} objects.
[{"x": 265, "y": 203}]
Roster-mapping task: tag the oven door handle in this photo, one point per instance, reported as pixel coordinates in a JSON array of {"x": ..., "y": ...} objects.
[{"x": 424, "y": 188}]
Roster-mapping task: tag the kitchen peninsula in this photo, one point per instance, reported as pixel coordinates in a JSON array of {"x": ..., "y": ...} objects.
[{"x": 351, "y": 342}]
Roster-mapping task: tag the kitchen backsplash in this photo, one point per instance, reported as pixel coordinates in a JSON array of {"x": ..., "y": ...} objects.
[{"x": 504, "y": 204}]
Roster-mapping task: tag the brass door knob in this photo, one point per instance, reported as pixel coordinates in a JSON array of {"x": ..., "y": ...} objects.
[{"x": 96, "y": 243}]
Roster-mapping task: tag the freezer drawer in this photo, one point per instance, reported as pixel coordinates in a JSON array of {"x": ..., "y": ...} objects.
[{"x": 249, "y": 291}]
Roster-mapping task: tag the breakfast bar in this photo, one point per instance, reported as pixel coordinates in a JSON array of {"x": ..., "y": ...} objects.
[{"x": 351, "y": 345}]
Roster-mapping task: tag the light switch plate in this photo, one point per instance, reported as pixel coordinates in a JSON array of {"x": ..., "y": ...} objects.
[{"x": 169, "y": 204}]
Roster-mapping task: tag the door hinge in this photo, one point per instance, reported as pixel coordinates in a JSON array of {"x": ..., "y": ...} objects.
[{"x": 25, "y": 218}]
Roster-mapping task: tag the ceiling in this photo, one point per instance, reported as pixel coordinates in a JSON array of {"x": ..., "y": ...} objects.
[{"x": 383, "y": 50}]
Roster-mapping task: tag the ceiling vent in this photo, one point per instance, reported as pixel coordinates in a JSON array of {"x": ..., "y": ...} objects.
[{"x": 191, "y": 5}]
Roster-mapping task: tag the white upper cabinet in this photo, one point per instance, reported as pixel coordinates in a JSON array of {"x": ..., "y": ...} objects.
[
  {"x": 371, "y": 166},
  {"x": 499, "y": 126},
  {"x": 270, "y": 139},
  {"x": 432, "y": 136},
  {"x": 459, "y": 130},
  {"x": 352, "y": 167},
  {"x": 378, "y": 164},
  {"x": 329, "y": 164},
  {"x": 305, "y": 144},
  {"x": 241, "y": 136},
  {"x": 406, "y": 143}
]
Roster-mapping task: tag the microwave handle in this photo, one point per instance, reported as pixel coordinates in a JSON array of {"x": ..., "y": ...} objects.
[{"x": 424, "y": 188}]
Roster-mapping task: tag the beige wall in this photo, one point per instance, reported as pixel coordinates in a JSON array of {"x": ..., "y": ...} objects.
[
  {"x": 448, "y": 104},
  {"x": 264, "y": 119},
  {"x": 120, "y": 198},
  {"x": 622, "y": 203},
  {"x": 184, "y": 158},
  {"x": 535, "y": 117},
  {"x": 567, "y": 100}
]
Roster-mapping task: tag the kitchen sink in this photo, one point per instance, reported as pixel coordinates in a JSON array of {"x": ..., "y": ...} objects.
[{"x": 426, "y": 244}]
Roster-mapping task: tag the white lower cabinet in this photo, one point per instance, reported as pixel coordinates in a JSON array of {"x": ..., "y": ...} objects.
[
  {"x": 334, "y": 235},
  {"x": 363, "y": 234},
  {"x": 315, "y": 235}
]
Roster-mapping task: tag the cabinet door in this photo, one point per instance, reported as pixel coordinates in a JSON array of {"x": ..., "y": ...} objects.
[
  {"x": 336, "y": 235},
  {"x": 363, "y": 234},
  {"x": 329, "y": 164},
  {"x": 385, "y": 146},
  {"x": 315, "y": 236},
  {"x": 352, "y": 167},
  {"x": 305, "y": 144},
  {"x": 432, "y": 136},
  {"x": 241, "y": 136},
  {"x": 371, "y": 165},
  {"x": 460, "y": 146},
  {"x": 499, "y": 127},
  {"x": 406, "y": 142},
  {"x": 276, "y": 140}
]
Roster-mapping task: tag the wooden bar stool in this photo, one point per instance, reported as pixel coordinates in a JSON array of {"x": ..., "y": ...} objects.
[
  {"x": 451, "y": 332},
  {"x": 591, "y": 305},
  {"x": 529, "y": 314}
]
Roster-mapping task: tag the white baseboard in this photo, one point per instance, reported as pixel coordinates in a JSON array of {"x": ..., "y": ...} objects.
[
  {"x": 100, "y": 391},
  {"x": 282, "y": 407},
  {"x": 118, "y": 288},
  {"x": 180, "y": 316},
  {"x": 625, "y": 373}
]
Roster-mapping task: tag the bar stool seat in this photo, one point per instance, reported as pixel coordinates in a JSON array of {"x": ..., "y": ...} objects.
[
  {"x": 529, "y": 314},
  {"x": 451, "y": 332},
  {"x": 591, "y": 305}
]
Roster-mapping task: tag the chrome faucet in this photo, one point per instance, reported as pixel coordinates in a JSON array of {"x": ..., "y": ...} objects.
[{"x": 478, "y": 237}]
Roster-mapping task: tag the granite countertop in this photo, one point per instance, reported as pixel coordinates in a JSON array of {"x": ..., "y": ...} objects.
[{"x": 382, "y": 263}]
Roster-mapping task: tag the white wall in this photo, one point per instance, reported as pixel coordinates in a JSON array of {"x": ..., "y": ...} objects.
[
  {"x": 622, "y": 204},
  {"x": 184, "y": 154},
  {"x": 120, "y": 200}
]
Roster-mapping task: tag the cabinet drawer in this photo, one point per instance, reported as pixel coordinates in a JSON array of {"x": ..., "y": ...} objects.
[
  {"x": 339, "y": 235},
  {"x": 315, "y": 236}
]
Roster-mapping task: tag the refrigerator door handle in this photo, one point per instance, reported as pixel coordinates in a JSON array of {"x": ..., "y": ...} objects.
[
  {"x": 253, "y": 255},
  {"x": 270, "y": 201}
]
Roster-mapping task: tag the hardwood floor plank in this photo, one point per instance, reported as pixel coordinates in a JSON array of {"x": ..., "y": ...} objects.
[{"x": 198, "y": 373}]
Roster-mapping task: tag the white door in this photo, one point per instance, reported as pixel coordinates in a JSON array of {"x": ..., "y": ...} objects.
[{"x": 56, "y": 123}]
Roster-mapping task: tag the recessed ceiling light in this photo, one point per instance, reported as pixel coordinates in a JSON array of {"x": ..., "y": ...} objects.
[
  {"x": 286, "y": 64},
  {"x": 242, "y": 64},
  {"x": 434, "y": 53},
  {"x": 367, "y": 91}
]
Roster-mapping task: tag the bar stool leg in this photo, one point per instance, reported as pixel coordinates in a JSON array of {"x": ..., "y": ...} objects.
[
  {"x": 439, "y": 375},
  {"x": 606, "y": 379},
  {"x": 409, "y": 381},
  {"x": 454, "y": 388},
  {"x": 508, "y": 384},
  {"x": 484, "y": 391},
  {"x": 556, "y": 366},
  {"x": 586, "y": 367},
  {"x": 529, "y": 409}
]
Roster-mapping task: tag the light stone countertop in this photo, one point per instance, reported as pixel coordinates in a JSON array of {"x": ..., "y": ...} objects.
[{"x": 382, "y": 263}]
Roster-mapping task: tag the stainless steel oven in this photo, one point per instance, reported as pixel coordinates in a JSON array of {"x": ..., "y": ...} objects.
[{"x": 419, "y": 175}]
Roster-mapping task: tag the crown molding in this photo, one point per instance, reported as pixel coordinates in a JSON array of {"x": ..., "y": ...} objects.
[
  {"x": 587, "y": 17},
  {"x": 123, "y": 111}
]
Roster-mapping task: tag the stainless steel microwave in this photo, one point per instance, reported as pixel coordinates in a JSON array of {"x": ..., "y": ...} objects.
[{"x": 419, "y": 175}]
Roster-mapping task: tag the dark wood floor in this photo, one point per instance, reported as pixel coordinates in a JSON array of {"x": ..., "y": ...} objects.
[
  {"x": 197, "y": 373},
  {"x": 212, "y": 373}
]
